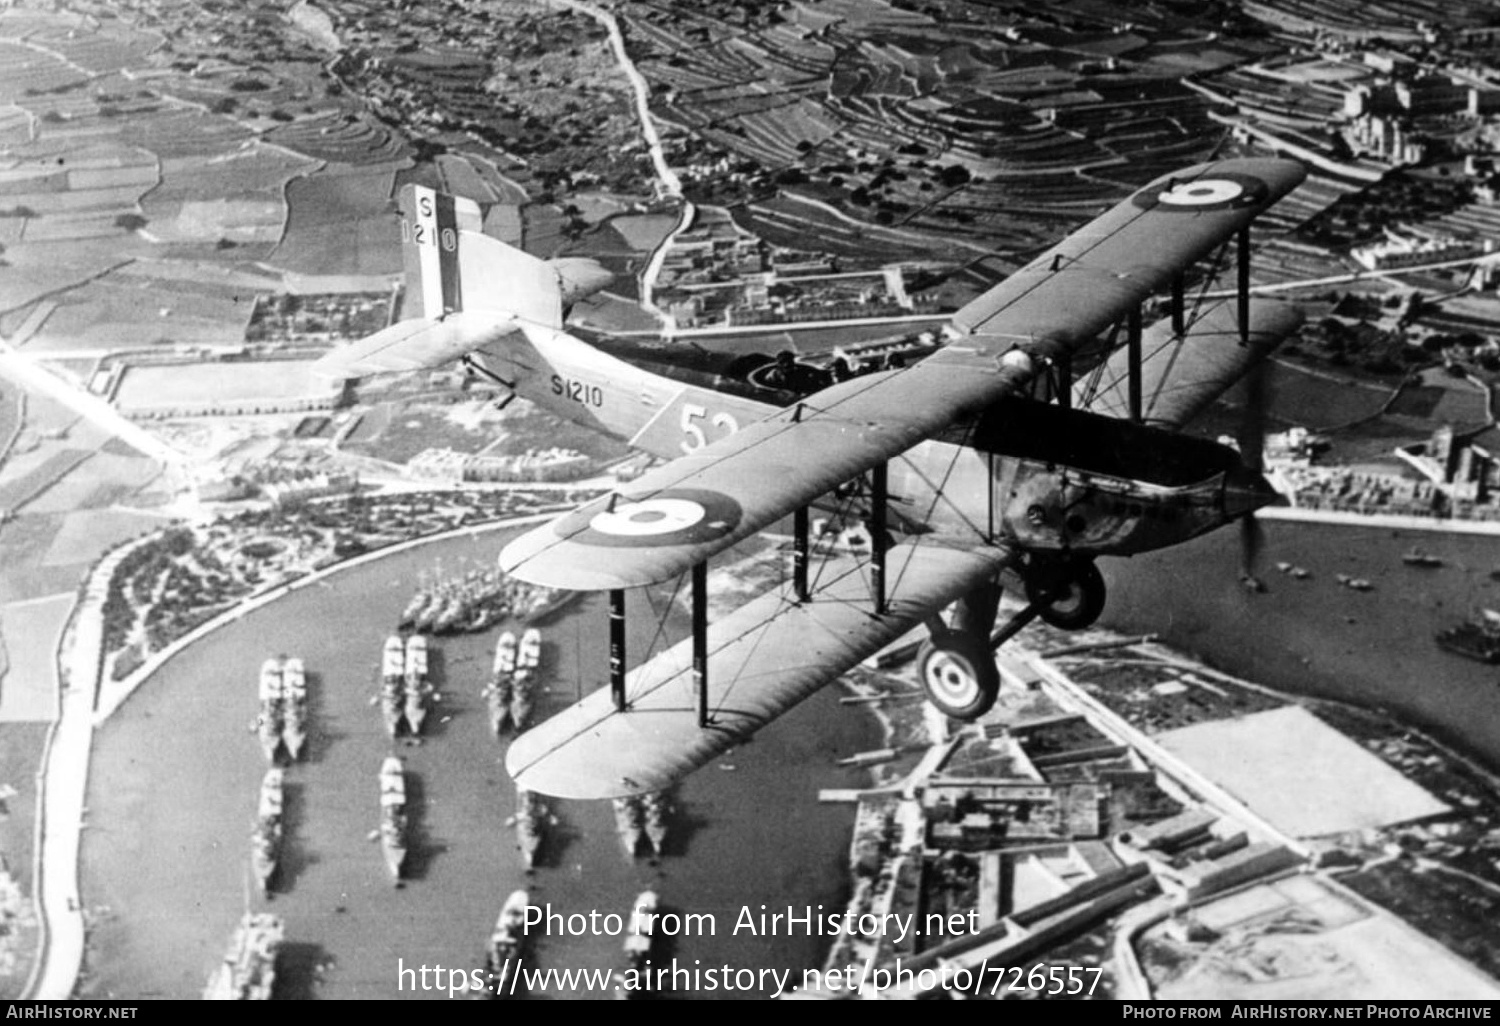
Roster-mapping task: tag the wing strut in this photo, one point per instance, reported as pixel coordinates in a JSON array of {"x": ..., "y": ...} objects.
[
  {"x": 877, "y": 535},
  {"x": 617, "y": 647},
  {"x": 700, "y": 640},
  {"x": 1243, "y": 292},
  {"x": 1133, "y": 340},
  {"x": 1179, "y": 321},
  {"x": 799, "y": 554}
]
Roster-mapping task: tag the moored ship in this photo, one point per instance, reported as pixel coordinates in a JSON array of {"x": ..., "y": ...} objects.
[
  {"x": 529, "y": 651},
  {"x": 656, "y": 809},
  {"x": 269, "y": 722},
  {"x": 265, "y": 840},
  {"x": 628, "y": 823},
  {"x": 294, "y": 707},
  {"x": 393, "y": 658},
  {"x": 639, "y": 935},
  {"x": 248, "y": 972},
  {"x": 499, "y": 691},
  {"x": 1415, "y": 556},
  {"x": 531, "y": 816},
  {"x": 392, "y": 684},
  {"x": 522, "y": 697},
  {"x": 393, "y": 820},
  {"x": 1474, "y": 639},
  {"x": 507, "y": 945},
  {"x": 416, "y": 686}
]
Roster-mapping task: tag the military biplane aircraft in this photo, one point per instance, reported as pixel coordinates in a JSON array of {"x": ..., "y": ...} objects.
[{"x": 973, "y": 467}]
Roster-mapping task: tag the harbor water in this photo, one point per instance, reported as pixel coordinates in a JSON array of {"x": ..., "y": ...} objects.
[
  {"x": 1321, "y": 638},
  {"x": 176, "y": 770}
]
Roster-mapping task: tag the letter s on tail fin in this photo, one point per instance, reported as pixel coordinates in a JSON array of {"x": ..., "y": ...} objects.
[
  {"x": 454, "y": 267},
  {"x": 464, "y": 289}
]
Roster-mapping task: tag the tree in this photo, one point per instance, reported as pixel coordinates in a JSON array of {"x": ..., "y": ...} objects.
[{"x": 953, "y": 176}]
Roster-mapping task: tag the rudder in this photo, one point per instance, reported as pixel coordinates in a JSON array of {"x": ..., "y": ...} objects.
[{"x": 452, "y": 266}]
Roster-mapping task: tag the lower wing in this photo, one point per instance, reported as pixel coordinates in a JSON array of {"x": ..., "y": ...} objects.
[{"x": 764, "y": 658}]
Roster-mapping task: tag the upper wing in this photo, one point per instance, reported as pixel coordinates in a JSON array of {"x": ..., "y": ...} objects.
[
  {"x": 765, "y": 657},
  {"x": 685, "y": 512}
]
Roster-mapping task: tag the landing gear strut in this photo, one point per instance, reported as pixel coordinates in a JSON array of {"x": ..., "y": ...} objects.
[{"x": 1068, "y": 595}]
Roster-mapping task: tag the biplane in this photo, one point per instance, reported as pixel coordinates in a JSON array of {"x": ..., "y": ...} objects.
[{"x": 975, "y": 468}]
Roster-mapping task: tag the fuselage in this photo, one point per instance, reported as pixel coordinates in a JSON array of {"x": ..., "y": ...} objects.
[{"x": 1025, "y": 473}]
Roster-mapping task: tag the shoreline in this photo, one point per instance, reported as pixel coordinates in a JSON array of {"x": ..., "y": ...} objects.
[{"x": 56, "y": 898}]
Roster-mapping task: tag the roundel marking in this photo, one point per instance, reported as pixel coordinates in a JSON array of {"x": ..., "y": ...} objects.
[
  {"x": 648, "y": 517},
  {"x": 1227, "y": 191},
  {"x": 1202, "y": 193},
  {"x": 673, "y": 516}
]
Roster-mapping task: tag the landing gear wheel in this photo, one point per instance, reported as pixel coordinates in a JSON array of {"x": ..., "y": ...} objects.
[
  {"x": 958, "y": 672},
  {"x": 1069, "y": 597}
]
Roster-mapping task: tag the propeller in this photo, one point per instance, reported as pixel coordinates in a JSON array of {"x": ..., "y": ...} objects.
[{"x": 1252, "y": 440}]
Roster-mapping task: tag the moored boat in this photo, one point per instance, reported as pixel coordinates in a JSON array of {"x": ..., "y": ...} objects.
[
  {"x": 531, "y": 817},
  {"x": 656, "y": 810},
  {"x": 416, "y": 607},
  {"x": 265, "y": 841},
  {"x": 628, "y": 823},
  {"x": 269, "y": 722},
  {"x": 507, "y": 944},
  {"x": 393, "y": 658},
  {"x": 639, "y": 935},
  {"x": 248, "y": 972},
  {"x": 1415, "y": 556},
  {"x": 393, "y": 819},
  {"x": 416, "y": 687},
  {"x": 529, "y": 651},
  {"x": 294, "y": 721},
  {"x": 505, "y": 654},
  {"x": 522, "y": 697},
  {"x": 1473, "y": 639},
  {"x": 392, "y": 705},
  {"x": 497, "y": 696}
]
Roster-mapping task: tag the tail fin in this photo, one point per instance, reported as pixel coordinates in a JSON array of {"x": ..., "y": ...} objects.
[
  {"x": 453, "y": 267},
  {"x": 464, "y": 290}
]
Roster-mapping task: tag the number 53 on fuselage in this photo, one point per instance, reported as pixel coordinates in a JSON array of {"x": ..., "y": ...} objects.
[{"x": 974, "y": 468}]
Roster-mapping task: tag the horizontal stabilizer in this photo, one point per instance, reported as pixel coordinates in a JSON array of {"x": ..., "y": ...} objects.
[
  {"x": 414, "y": 345},
  {"x": 1182, "y": 376},
  {"x": 764, "y": 658}
]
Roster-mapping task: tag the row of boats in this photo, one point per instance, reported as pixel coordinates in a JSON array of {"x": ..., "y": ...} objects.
[
  {"x": 281, "y": 726},
  {"x": 283, "y": 708},
  {"x": 476, "y": 600},
  {"x": 508, "y": 944},
  {"x": 642, "y": 816},
  {"x": 510, "y": 694},
  {"x": 404, "y": 685}
]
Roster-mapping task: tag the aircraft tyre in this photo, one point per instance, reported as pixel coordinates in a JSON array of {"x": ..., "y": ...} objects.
[
  {"x": 959, "y": 675},
  {"x": 1069, "y": 598}
]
